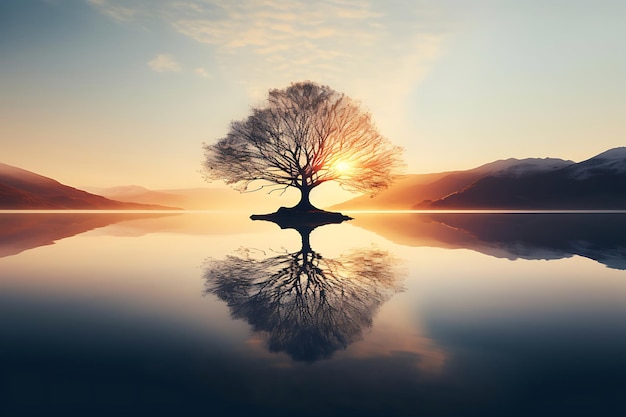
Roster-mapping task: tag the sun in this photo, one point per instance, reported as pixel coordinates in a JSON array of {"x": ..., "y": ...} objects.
[{"x": 343, "y": 167}]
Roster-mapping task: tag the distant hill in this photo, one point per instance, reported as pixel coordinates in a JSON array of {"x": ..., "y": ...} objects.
[
  {"x": 137, "y": 194},
  {"x": 209, "y": 198},
  {"x": 418, "y": 191},
  {"x": 597, "y": 183},
  {"x": 24, "y": 190}
]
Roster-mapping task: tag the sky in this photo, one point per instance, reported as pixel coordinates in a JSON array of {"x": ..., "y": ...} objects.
[{"x": 116, "y": 92}]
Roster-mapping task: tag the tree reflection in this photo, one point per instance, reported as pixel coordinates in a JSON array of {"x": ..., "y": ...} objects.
[{"x": 309, "y": 306}]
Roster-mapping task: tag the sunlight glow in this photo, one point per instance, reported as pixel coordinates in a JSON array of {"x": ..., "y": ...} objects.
[{"x": 343, "y": 167}]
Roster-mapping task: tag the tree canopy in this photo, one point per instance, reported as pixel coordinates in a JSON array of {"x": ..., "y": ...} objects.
[{"x": 306, "y": 134}]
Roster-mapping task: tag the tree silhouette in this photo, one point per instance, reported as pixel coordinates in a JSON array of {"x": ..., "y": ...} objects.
[
  {"x": 304, "y": 136},
  {"x": 310, "y": 306}
]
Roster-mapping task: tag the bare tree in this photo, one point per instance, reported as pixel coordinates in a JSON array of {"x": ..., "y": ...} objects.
[{"x": 306, "y": 135}]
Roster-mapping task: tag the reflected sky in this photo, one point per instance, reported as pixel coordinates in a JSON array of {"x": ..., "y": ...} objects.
[{"x": 445, "y": 316}]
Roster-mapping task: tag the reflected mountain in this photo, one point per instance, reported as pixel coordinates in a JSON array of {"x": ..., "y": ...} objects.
[
  {"x": 23, "y": 231},
  {"x": 597, "y": 236},
  {"x": 309, "y": 306}
]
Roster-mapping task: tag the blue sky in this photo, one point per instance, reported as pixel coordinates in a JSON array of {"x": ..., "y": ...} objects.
[{"x": 115, "y": 92}]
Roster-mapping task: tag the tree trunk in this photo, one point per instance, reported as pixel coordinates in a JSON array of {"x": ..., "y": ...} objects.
[{"x": 305, "y": 204}]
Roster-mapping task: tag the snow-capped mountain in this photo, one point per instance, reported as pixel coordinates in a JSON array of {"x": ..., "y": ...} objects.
[
  {"x": 598, "y": 183},
  {"x": 613, "y": 160},
  {"x": 533, "y": 165}
]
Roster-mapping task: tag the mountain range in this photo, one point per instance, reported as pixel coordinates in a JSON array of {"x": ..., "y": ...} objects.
[
  {"x": 533, "y": 183},
  {"x": 22, "y": 190},
  {"x": 25, "y": 190}
]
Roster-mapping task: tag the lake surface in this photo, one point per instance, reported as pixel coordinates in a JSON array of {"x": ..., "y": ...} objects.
[{"x": 405, "y": 314}]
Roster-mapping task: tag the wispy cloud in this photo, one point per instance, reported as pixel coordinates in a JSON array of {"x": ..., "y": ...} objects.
[
  {"x": 304, "y": 33},
  {"x": 373, "y": 49},
  {"x": 164, "y": 63},
  {"x": 351, "y": 37},
  {"x": 117, "y": 10},
  {"x": 202, "y": 72}
]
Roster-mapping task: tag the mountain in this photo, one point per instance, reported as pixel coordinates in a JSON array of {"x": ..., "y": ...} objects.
[
  {"x": 22, "y": 190},
  {"x": 418, "y": 191},
  {"x": 137, "y": 194},
  {"x": 597, "y": 183},
  {"x": 612, "y": 161},
  {"x": 408, "y": 190}
]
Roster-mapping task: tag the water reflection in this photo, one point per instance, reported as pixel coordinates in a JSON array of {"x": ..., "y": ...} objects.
[
  {"x": 309, "y": 306},
  {"x": 472, "y": 335},
  {"x": 20, "y": 232},
  {"x": 597, "y": 236}
]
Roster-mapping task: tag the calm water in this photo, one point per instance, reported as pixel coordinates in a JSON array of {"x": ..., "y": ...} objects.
[{"x": 388, "y": 314}]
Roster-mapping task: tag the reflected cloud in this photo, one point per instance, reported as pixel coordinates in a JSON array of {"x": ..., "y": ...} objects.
[
  {"x": 597, "y": 236},
  {"x": 307, "y": 306}
]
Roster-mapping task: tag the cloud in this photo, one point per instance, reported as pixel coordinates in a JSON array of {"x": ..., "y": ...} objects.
[
  {"x": 285, "y": 29},
  {"x": 202, "y": 72},
  {"x": 375, "y": 50},
  {"x": 325, "y": 39},
  {"x": 164, "y": 63},
  {"x": 118, "y": 12}
]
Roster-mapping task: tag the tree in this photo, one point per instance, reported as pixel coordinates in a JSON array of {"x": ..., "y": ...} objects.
[{"x": 304, "y": 136}]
